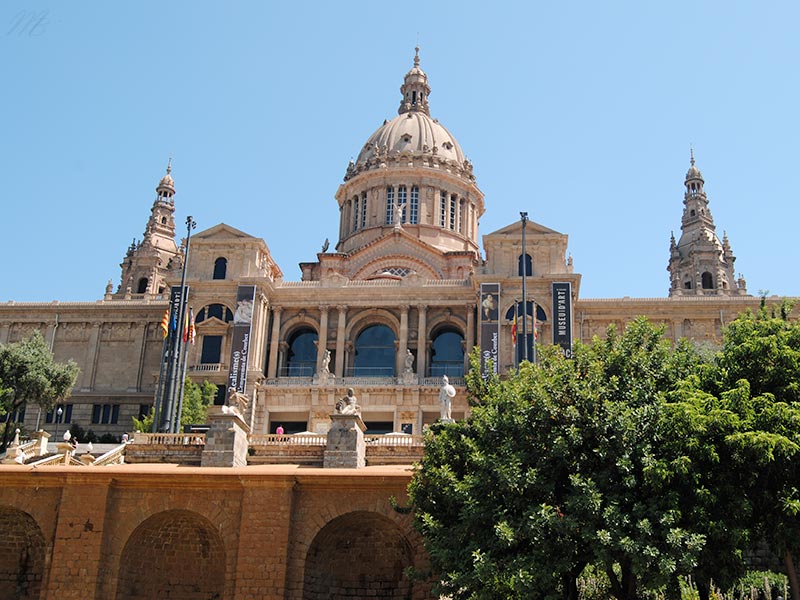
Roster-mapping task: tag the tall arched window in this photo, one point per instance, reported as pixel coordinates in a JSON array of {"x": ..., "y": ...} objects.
[
  {"x": 374, "y": 352},
  {"x": 525, "y": 262},
  {"x": 142, "y": 287},
  {"x": 413, "y": 213},
  {"x": 707, "y": 281},
  {"x": 301, "y": 359},
  {"x": 220, "y": 267},
  {"x": 447, "y": 354}
]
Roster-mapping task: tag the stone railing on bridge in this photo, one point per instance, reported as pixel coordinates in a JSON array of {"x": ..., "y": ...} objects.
[
  {"x": 182, "y": 448},
  {"x": 308, "y": 449},
  {"x": 115, "y": 456}
]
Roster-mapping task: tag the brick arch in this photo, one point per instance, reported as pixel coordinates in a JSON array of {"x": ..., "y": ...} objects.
[
  {"x": 176, "y": 554},
  {"x": 22, "y": 555},
  {"x": 358, "y": 555},
  {"x": 372, "y": 316}
]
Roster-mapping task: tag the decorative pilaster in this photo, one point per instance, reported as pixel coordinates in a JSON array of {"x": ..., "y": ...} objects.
[
  {"x": 340, "y": 333},
  {"x": 403, "y": 348},
  {"x": 422, "y": 340},
  {"x": 274, "y": 340}
]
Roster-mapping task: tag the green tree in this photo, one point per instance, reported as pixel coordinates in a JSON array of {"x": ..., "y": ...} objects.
[
  {"x": 759, "y": 373},
  {"x": 196, "y": 400},
  {"x": 555, "y": 470},
  {"x": 30, "y": 375}
]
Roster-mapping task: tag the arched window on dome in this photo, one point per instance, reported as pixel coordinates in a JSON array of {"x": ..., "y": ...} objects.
[
  {"x": 413, "y": 212},
  {"x": 442, "y": 209},
  {"x": 461, "y": 205},
  {"x": 374, "y": 353},
  {"x": 707, "y": 281},
  {"x": 363, "y": 209},
  {"x": 220, "y": 268},
  {"x": 452, "y": 223},
  {"x": 389, "y": 205},
  {"x": 447, "y": 353},
  {"x": 356, "y": 213},
  {"x": 525, "y": 262},
  {"x": 141, "y": 288},
  {"x": 301, "y": 358},
  {"x": 402, "y": 198}
]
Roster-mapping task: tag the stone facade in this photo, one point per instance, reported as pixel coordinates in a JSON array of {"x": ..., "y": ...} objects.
[
  {"x": 147, "y": 531},
  {"x": 403, "y": 281}
]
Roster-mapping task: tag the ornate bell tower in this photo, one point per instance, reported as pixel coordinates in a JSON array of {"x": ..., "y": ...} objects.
[
  {"x": 699, "y": 263},
  {"x": 147, "y": 262}
]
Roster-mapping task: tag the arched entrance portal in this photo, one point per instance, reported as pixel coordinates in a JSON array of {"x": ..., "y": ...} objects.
[
  {"x": 175, "y": 554},
  {"x": 358, "y": 555},
  {"x": 21, "y": 555}
]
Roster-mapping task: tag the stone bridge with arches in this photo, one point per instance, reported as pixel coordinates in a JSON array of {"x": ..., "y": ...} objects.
[{"x": 163, "y": 531}]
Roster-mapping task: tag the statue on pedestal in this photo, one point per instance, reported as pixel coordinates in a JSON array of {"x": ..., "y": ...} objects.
[
  {"x": 348, "y": 405},
  {"x": 446, "y": 394}
]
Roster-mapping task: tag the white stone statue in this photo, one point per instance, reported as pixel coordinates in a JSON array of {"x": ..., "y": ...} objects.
[
  {"x": 348, "y": 405},
  {"x": 326, "y": 362},
  {"x": 398, "y": 218},
  {"x": 446, "y": 395},
  {"x": 409, "y": 362}
]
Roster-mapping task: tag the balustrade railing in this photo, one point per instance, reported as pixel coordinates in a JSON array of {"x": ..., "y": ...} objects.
[
  {"x": 115, "y": 456},
  {"x": 301, "y": 439},
  {"x": 170, "y": 439}
]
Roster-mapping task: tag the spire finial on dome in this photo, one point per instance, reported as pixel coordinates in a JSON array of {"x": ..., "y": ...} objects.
[
  {"x": 169, "y": 166},
  {"x": 416, "y": 55},
  {"x": 415, "y": 89},
  {"x": 691, "y": 154}
]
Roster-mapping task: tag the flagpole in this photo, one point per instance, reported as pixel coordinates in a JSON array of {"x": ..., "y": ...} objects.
[
  {"x": 158, "y": 404},
  {"x": 188, "y": 338},
  {"x": 178, "y": 347},
  {"x": 524, "y": 217}
]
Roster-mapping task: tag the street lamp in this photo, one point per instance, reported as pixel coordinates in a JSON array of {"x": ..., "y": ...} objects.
[{"x": 59, "y": 412}]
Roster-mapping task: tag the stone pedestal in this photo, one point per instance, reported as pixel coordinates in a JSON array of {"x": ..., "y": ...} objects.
[
  {"x": 226, "y": 439},
  {"x": 42, "y": 437},
  {"x": 346, "y": 448}
]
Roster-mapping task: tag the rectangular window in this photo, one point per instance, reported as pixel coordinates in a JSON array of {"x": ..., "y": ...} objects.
[
  {"x": 442, "y": 209},
  {"x": 402, "y": 198},
  {"x": 106, "y": 413},
  {"x": 144, "y": 410},
  {"x": 453, "y": 212},
  {"x": 363, "y": 209},
  {"x": 389, "y": 205},
  {"x": 212, "y": 349},
  {"x": 96, "y": 410},
  {"x": 68, "y": 413},
  {"x": 114, "y": 414},
  {"x": 413, "y": 216},
  {"x": 356, "y": 214},
  {"x": 461, "y": 216}
]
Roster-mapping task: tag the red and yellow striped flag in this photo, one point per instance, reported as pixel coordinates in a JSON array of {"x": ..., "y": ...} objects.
[{"x": 164, "y": 325}]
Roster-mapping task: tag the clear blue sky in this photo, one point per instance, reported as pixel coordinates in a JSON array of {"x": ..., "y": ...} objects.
[{"x": 580, "y": 113}]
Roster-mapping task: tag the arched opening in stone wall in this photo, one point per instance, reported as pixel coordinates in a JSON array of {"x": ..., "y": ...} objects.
[
  {"x": 358, "y": 555},
  {"x": 447, "y": 353},
  {"x": 301, "y": 358},
  {"x": 22, "y": 551},
  {"x": 374, "y": 352},
  {"x": 176, "y": 554}
]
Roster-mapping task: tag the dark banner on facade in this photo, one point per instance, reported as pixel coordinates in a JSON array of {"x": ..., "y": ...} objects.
[
  {"x": 240, "y": 346},
  {"x": 174, "y": 307},
  {"x": 489, "y": 309},
  {"x": 562, "y": 316}
]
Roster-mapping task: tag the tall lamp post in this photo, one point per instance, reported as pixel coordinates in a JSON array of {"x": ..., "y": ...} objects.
[
  {"x": 524, "y": 217},
  {"x": 59, "y": 412}
]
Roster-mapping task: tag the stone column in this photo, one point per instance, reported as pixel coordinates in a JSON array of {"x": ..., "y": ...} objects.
[
  {"x": 276, "y": 334},
  {"x": 340, "y": 333},
  {"x": 323, "y": 336},
  {"x": 470, "y": 334},
  {"x": 422, "y": 340},
  {"x": 403, "y": 346}
]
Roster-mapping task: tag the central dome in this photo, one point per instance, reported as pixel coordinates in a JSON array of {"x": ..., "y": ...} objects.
[{"x": 413, "y": 132}]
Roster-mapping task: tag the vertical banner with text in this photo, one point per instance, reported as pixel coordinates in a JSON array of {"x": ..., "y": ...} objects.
[
  {"x": 562, "y": 316},
  {"x": 489, "y": 313},
  {"x": 240, "y": 346}
]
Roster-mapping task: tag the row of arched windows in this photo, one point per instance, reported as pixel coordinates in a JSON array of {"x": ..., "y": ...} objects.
[{"x": 374, "y": 353}]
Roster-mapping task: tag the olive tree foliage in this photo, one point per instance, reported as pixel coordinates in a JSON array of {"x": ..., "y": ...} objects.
[
  {"x": 559, "y": 467},
  {"x": 30, "y": 375}
]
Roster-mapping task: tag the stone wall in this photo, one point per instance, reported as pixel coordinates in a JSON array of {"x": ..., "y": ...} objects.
[{"x": 155, "y": 531}]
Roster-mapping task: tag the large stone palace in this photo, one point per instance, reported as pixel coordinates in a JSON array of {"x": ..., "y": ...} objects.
[
  {"x": 398, "y": 303},
  {"x": 389, "y": 310}
]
